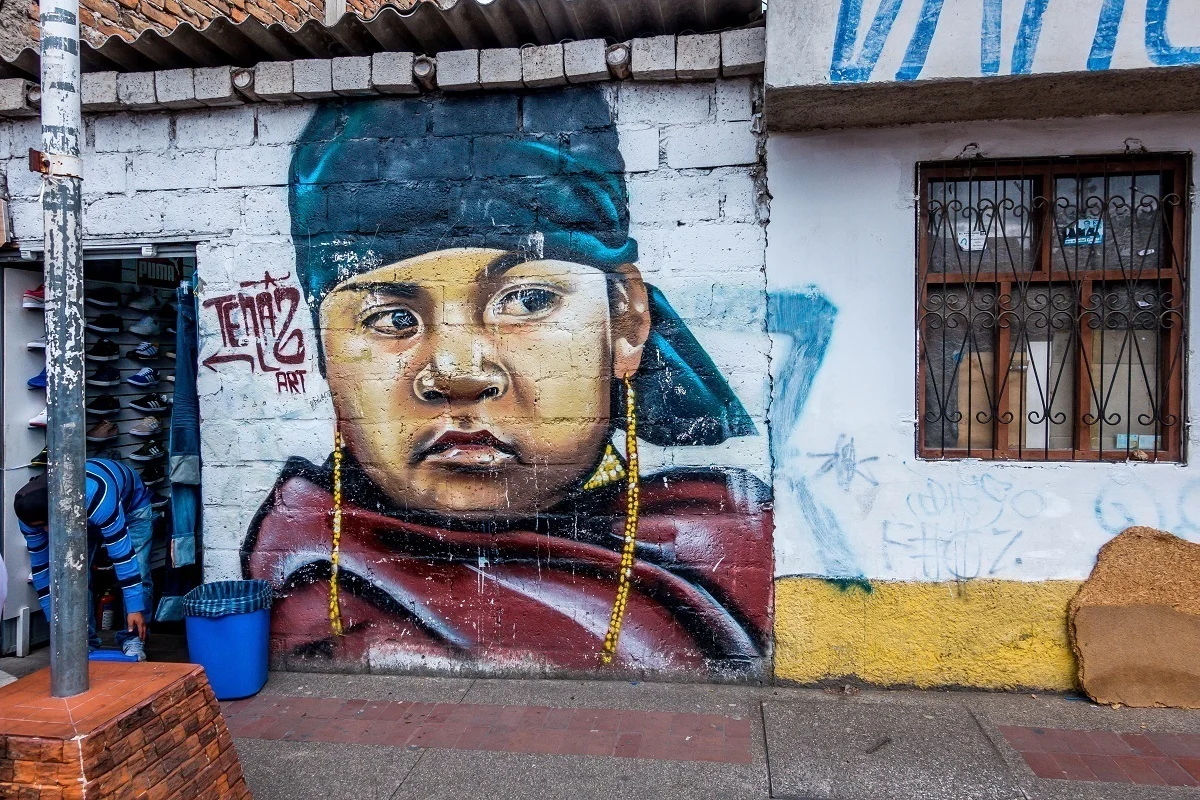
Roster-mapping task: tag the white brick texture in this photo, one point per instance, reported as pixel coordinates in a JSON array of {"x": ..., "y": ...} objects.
[{"x": 720, "y": 144}]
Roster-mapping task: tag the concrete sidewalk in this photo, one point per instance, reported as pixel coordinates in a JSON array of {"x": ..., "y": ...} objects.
[
  {"x": 367, "y": 736},
  {"x": 335, "y": 736}
]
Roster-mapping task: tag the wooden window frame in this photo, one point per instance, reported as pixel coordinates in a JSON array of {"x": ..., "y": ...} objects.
[{"x": 1175, "y": 169}]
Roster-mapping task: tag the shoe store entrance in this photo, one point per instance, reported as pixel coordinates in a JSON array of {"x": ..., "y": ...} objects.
[{"x": 143, "y": 436}]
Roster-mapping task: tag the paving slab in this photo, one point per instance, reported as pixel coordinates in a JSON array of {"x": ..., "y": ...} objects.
[
  {"x": 863, "y": 749},
  {"x": 731, "y": 700},
  {"x": 368, "y": 687},
  {"x": 517, "y": 776},
  {"x": 289, "y": 770}
]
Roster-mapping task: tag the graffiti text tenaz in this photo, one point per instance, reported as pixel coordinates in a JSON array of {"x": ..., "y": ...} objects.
[{"x": 258, "y": 327}]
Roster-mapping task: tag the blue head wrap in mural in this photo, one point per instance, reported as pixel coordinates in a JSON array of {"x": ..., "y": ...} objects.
[{"x": 541, "y": 176}]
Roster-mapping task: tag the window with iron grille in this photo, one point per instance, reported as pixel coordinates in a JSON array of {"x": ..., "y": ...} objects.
[{"x": 1052, "y": 309}]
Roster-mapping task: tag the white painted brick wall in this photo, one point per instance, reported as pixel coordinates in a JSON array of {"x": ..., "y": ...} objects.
[
  {"x": 218, "y": 177},
  {"x": 174, "y": 169},
  {"x": 719, "y": 144}
]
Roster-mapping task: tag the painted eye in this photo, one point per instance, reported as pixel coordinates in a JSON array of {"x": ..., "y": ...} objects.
[
  {"x": 526, "y": 302},
  {"x": 399, "y": 322}
]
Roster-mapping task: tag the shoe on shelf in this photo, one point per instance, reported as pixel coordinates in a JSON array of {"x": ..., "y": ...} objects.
[
  {"x": 144, "y": 378},
  {"x": 171, "y": 329},
  {"x": 158, "y": 500},
  {"x": 146, "y": 326},
  {"x": 103, "y": 431},
  {"x": 146, "y": 427},
  {"x": 146, "y": 300},
  {"x": 105, "y": 376},
  {"x": 104, "y": 406},
  {"x": 34, "y": 298},
  {"x": 37, "y": 381},
  {"x": 103, "y": 350},
  {"x": 169, "y": 377},
  {"x": 39, "y": 421},
  {"x": 104, "y": 297},
  {"x": 105, "y": 323},
  {"x": 153, "y": 475},
  {"x": 111, "y": 453},
  {"x": 134, "y": 648},
  {"x": 146, "y": 351},
  {"x": 37, "y": 344},
  {"x": 150, "y": 451},
  {"x": 41, "y": 460},
  {"x": 151, "y": 404}
]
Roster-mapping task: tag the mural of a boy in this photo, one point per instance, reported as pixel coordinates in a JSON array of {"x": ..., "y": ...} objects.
[{"x": 494, "y": 356}]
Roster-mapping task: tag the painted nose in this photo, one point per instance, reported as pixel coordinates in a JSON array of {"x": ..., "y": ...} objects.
[{"x": 443, "y": 381}]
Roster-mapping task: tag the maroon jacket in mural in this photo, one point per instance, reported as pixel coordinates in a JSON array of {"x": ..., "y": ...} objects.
[{"x": 420, "y": 591}]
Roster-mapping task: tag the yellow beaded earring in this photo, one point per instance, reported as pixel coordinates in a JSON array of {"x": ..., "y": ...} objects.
[
  {"x": 335, "y": 611},
  {"x": 632, "y": 507}
]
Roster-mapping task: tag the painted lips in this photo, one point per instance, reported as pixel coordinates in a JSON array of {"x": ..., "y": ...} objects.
[{"x": 468, "y": 449}]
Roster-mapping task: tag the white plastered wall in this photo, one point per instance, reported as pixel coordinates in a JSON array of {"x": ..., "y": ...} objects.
[{"x": 843, "y": 222}]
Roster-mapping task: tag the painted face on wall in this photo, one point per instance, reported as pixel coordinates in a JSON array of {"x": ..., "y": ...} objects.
[
  {"x": 470, "y": 269},
  {"x": 472, "y": 384}
]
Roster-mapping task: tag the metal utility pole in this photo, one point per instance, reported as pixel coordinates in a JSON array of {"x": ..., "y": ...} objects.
[{"x": 62, "y": 124}]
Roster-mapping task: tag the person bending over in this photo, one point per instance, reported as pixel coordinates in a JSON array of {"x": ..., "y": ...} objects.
[{"x": 120, "y": 516}]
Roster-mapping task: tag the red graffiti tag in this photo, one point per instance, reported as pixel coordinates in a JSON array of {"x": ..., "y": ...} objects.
[{"x": 257, "y": 327}]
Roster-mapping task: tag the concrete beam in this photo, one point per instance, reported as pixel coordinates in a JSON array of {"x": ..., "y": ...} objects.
[
  {"x": 583, "y": 61},
  {"x": 743, "y": 52},
  {"x": 273, "y": 82},
  {"x": 653, "y": 59},
  {"x": 176, "y": 88},
  {"x": 543, "y": 66},
  {"x": 312, "y": 78},
  {"x": 99, "y": 91},
  {"x": 500, "y": 69},
  {"x": 698, "y": 57},
  {"x": 392, "y": 73},
  {"x": 214, "y": 86},
  {"x": 458, "y": 70},
  {"x": 352, "y": 76},
  {"x": 135, "y": 91}
]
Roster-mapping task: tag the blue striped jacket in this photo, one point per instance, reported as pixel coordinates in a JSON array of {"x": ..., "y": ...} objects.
[{"x": 112, "y": 489}]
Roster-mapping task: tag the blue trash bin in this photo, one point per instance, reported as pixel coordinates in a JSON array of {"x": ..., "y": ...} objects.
[{"x": 228, "y": 625}]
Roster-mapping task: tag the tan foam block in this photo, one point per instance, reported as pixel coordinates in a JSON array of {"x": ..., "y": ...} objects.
[{"x": 1135, "y": 622}]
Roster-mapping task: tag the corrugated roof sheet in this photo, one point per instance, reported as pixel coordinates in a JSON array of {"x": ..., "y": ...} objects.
[{"x": 426, "y": 28}]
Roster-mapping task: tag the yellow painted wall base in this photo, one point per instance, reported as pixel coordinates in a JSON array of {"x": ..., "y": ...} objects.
[{"x": 986, "y": 634}]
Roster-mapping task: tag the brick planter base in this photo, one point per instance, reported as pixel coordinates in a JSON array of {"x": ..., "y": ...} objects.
[{"x": 142, "y": 730}]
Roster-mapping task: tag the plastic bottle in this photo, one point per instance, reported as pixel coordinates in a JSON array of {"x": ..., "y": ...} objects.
[{"x": 106, "y": 611}]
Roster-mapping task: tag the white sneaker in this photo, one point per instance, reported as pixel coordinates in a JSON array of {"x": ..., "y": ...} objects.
[
  {"x": 145, "y": 301},
  {"x": 146, "y": 326},
  {"x": 39, "y": 421},
  {"x": 134, "y": 647},
  {"x": 37, "y": 344}
]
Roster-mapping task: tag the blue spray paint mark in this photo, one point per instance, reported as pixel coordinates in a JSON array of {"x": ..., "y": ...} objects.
[
  {"x": 846, "y": 584},
  {"x": 846, "y": 68},
  {"x": 989, "y": 51},
  {"x": 918, "y": 46},
  {"x": 1106, "y": 35},
  {"x": 1027, "y": 36},
  {"x": 1158, "y": 44},
  {"x": 807, "y": 318}
]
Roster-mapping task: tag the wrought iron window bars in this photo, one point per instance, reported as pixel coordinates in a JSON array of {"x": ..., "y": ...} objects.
[{"x": 1052, "y": 308}]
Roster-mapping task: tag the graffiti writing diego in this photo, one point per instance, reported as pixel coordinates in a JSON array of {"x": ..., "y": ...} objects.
[{"x": 494, "y": 357}]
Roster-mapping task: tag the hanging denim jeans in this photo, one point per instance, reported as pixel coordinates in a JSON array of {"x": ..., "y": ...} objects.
[{"x": 185, "y": 436}]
